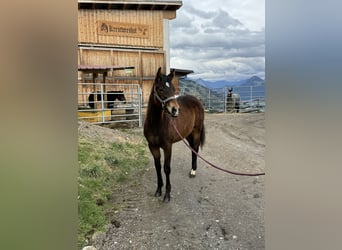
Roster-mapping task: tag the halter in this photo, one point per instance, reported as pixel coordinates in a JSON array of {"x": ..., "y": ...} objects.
[{"x": 163, "y": 102}]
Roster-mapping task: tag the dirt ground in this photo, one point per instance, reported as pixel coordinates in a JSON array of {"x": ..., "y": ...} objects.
[{"x": 215, "y": 210}]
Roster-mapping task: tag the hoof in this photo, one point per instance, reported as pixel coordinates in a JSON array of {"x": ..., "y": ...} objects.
[
  {"x": 166, "y": 198},
  {"x": 192, "y": 173},
  {"x": 158, "y": 192}
]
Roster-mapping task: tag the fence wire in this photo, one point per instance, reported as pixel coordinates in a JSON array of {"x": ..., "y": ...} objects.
[
  {"x": 109, "y": 103},
  {"x": 252, "y": 98}
]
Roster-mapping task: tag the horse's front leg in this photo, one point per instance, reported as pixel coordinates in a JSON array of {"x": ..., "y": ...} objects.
[
  {"x": 167, "y": 170},
  {"x": 156, "y": 156}
]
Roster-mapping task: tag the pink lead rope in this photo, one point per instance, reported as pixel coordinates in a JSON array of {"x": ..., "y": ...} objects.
[{"x": 209, "y": 163}]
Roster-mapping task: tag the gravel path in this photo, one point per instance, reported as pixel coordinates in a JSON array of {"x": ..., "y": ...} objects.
[{"x": 215, "y": 210}]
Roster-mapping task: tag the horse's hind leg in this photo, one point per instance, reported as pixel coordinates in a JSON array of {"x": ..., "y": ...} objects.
[
  {"x": 237, "y": 107},
  {"x": 156, "y": 156},
  {"x": 194, "y": 141}
]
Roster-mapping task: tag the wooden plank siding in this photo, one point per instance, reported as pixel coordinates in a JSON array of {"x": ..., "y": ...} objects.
[
  {"x": 145, "y": 65},
  {"x": 109, "y": 34},
  {"x": 88, "y": 27}
]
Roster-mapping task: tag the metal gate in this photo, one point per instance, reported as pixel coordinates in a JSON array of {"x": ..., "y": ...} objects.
[
  {"x": 215, "y": 99},
  {"x": 109, "y": 103}
]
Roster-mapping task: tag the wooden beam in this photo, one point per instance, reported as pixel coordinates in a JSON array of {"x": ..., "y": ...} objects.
[{"x": 169, "y": 14}]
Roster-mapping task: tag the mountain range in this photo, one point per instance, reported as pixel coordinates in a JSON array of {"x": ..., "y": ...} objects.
[{"x": 254, "y": 81}]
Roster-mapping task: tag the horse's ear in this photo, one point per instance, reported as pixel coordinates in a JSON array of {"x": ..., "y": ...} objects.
[
  {"x": 172, "y": 74},
  {"x": 158, "y": 76},
  {"x": 158, "y": 73}
]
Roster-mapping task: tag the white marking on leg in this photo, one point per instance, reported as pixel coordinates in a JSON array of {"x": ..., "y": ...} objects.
[{"x": 193, "y": 172}]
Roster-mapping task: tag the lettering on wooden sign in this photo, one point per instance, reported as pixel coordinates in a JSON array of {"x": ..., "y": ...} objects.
[{"x": 122, "y": 29}]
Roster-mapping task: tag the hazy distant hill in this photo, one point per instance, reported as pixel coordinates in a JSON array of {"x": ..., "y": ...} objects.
[
  {"x": 190, "y": 87},
  {"x": 253, "y": 81}
]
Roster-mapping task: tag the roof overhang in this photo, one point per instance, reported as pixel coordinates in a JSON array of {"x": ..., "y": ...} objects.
[
  {"x": 182, "y": 72},
  {"x": 130, "y": 5}
]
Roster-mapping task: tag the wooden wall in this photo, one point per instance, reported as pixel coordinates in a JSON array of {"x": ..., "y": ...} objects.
[
  {"x": 89, "y": 31},
  {"x": 146, "y": 64},
  {"x": 142, "y": 50}
]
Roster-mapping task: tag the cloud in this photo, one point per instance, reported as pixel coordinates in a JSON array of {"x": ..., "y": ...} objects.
[
  {"x": 224, "y": 20},
  {"x": 215, "y": 44},
  {"x": 199, "y": 13}
]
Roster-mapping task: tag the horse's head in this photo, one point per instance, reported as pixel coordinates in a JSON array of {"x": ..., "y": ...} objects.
[
  {"x": 164, "y": 92},
  {"x": 230, "y": 92},
  {"x": 121, "y": 97}
]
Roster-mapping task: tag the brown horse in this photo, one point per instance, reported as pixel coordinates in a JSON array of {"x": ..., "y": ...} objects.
[{"x": 185, "y": 112}]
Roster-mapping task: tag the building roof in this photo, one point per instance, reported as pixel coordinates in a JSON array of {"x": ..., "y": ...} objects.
[
  {"x": 130, "y": 4},
  {"x": 183, "y": 72}
]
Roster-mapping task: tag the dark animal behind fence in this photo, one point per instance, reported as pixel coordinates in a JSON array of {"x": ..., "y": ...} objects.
[
  {"x": 111, "y": 97},
  {"x": 91, "y": 99},
  {"x": 115, "y": 95},
  {"x": 185, "y": 112},
  {"x": 233, "y": 101}
]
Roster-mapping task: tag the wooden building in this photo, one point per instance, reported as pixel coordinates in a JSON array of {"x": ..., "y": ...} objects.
[{"x": 124, "y": 41}]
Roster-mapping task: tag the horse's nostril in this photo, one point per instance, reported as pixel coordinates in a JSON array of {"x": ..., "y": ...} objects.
[{"x": 174, "y": 111}]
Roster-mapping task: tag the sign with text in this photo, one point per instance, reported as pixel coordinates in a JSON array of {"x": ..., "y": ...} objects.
[{"x": 122, "y": 29}]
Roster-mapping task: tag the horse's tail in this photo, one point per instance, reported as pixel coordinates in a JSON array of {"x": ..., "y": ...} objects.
[{"x": 202, "y": 136}]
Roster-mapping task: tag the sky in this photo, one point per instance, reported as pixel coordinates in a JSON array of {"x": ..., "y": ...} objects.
[{"x": 219, "y": 40}]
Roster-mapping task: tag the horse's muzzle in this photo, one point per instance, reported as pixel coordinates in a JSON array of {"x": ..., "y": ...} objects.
[
  {"x": 172, "y": 108},
  {"x": 174, "y": 112}
]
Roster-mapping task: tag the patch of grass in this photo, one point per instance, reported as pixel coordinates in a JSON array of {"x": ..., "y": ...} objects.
[{"x": 102, "y": 167}]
